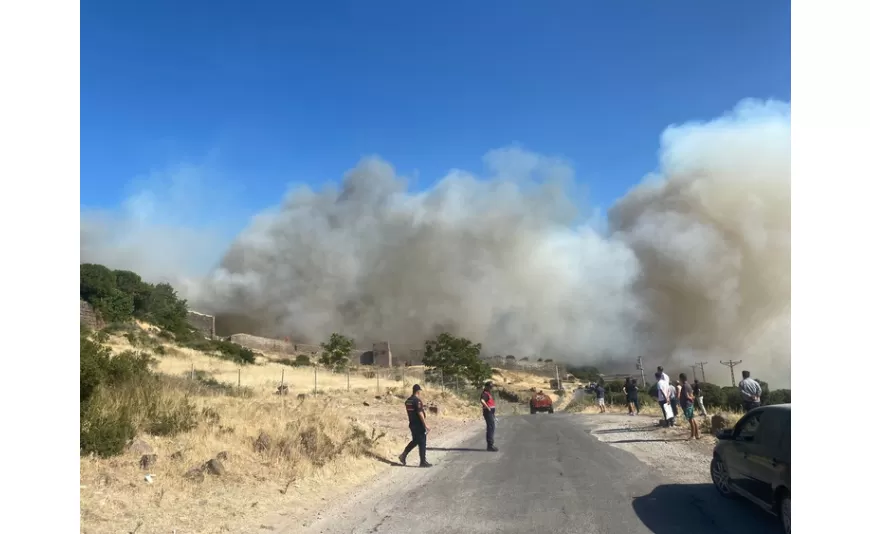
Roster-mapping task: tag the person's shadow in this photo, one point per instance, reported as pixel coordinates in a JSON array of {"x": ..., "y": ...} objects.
[
  {"x": 698, "y": 508},
  {"x": 454, "y": 449}
]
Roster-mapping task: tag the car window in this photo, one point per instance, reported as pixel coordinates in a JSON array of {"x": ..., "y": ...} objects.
[
  {"x": 769, "y": 433},
  {"x": 748, "y": 428}
]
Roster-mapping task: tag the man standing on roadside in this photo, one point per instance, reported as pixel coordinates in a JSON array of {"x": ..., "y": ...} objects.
[
  {"x": 699, "y": 398},
  {"x": 487, "y": 401},
  {"x": 630, "y": 390},
  {"x": 750, "y": 390},
  {"x": 687, "y": 401},
  {"x": 662, "y": 387},
  {"x": 672, "y": 398},
  {"x": 599, "y": 396},
  {"x": 418, "y": 426},
  {"x": 664, "y": 374}
]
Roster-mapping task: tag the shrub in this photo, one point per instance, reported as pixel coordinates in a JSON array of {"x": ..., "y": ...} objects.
[
  {"x": 302, "y": 360},
  {"x": 120, "y": 395},
  {"x": 336, "y": 351},
  {"x": 105, "y": 433}
]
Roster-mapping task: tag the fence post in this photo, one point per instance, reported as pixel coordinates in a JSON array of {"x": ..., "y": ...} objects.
[
  {"x": 442, "y": 379},
  {"x": 282, "y": 379},
  {"x": 192, "y": 375},
  {"x": 315, "y": 379},
  {"x": 240, "y": 377},
  {"x": 348, "y": 377}
]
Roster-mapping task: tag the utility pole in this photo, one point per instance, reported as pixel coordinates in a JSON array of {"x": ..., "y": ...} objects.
[
  {"x": 731, "y": 364},
  {"x": 558, "y": 380},
  {"x": 640, "y": 368},
  {"x": 694, "y": 374},
  {"x": 701, "y": 365}
]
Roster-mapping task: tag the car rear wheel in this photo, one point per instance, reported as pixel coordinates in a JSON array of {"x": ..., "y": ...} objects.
[
  {"x": 532, "y": 411},
  {"x": 785, "y": 513},
  {"x": 719, "y": 474},
  {"x": 550, "y": 410}
]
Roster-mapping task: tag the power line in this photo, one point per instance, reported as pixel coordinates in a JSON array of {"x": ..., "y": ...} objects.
[{"x": 731, "y": 364}]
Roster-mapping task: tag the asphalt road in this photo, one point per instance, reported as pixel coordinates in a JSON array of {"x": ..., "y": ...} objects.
[{"x": 550, "y": 475}]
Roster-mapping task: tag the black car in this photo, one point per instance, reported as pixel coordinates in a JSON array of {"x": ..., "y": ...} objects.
[{"x": 753, "y": 461}]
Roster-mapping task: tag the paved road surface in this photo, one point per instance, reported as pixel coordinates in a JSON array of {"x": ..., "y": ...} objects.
[{"x": 550, "y": 476}]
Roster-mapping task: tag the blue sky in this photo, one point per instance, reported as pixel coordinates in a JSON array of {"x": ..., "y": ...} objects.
[{"x": 272, "y": 92}]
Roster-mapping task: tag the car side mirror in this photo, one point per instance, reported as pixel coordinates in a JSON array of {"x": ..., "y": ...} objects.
[{"x": 725, "y": 434}]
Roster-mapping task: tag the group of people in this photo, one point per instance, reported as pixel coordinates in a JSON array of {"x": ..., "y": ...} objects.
[
  {"x": 684, "y": 395},
  {"x": 420, "y": 428}
]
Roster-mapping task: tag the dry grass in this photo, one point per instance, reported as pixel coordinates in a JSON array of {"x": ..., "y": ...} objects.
[{"x": 317, "y": 444}]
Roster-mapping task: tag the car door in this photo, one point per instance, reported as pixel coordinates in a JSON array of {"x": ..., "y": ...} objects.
[
  {"x": 763, "y": 467},
  {"x": 742, "y": 446}
]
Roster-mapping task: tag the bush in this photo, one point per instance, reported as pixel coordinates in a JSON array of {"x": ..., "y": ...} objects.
[
  {"x": 105, "y": 433},
  {"x": 120, "y": 396},
  {"x": 302, "y": 360}
]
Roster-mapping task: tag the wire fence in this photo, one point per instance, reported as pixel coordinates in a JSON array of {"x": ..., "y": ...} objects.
[{"x": 317, "y": 379}]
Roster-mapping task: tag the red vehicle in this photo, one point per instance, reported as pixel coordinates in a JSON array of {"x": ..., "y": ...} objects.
[{"x": 540, "y": 403}]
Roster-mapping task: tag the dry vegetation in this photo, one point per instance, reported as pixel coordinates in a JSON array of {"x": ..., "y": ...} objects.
[{"x": 316, "y": 444}]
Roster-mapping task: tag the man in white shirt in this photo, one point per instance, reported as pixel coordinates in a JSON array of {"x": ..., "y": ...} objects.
[
  {"x": 662, "y": 389},
  {"x": 750, "y": 391},
  {"x": 661, "y": 370}
]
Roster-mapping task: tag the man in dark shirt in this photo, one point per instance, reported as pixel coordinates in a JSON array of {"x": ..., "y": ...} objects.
[
  {"x": 687, "y": 403},
  {"x": 699, "y": 398},
  {"x": 631, "y": 391},
  {"x": 487, "y": 401},
  {"x": 418, "y": 426},
  {"x": 599, "y": 397}
]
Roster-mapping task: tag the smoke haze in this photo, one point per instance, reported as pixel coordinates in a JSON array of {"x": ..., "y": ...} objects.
[{"x": 694, "y": 264}]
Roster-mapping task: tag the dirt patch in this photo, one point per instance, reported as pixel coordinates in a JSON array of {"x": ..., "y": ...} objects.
[{"x": 664, "y": 449}]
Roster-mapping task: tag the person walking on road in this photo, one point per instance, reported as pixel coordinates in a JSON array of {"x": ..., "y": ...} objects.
[
  {"x": 750, "y": 390},
  {"x": 687, "y": 402},
  {"x": 487, "y": 401},
  {"x": 418, "y": 426},
  {"x": 699, "y": 398}
]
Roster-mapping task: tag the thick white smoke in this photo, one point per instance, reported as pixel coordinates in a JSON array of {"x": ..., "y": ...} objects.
[{"x": 696, "y": 267}]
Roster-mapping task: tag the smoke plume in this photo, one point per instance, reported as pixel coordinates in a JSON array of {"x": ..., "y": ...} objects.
[{"x": 694, "y": 264}]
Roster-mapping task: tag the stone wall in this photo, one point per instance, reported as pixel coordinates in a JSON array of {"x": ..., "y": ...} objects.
[
  {"x": 89, "y": 316},
  {"x": 382, "y": 355},
  {"x": 202, "y": 322},
  {"x": 263, "y": 344}
]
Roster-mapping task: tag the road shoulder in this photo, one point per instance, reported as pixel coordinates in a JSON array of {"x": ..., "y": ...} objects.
[{"x": 340, "y": 512}]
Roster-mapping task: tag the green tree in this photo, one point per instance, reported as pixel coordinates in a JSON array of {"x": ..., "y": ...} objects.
[
  {"x": 132, "y": 284},
  {"x": 336, "y": 351},
  {"x": 95, "y": 282},
  {"x": 457, "y": 358},
  {"x": 165, "y": 309},
  {"x": 115, "y": 307},
  {"x": 779, "y": 396}
]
